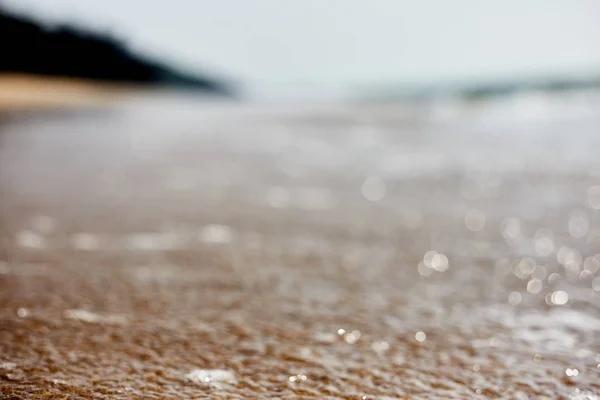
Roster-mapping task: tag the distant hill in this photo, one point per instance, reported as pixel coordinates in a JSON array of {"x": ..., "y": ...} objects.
[
  {"x": 479, "y": 90},
  {"x": 26, "y": 46}
]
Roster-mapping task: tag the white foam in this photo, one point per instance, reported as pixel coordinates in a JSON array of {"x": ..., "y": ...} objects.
[
  {"x": 8, "y": 365},
  {"x": 93, "y": 318},
  {"x": 554, "y": 331},
  {"x": 213, "y": 377},
  {"x": 85, "y": 241},
  {"x": 30, "y": 240},
  {"x": 216, "y": 234},
  {"x": 150, "y": 241}
]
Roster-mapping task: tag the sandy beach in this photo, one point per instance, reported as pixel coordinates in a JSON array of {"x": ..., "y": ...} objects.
[
  {"x": 176, "y": 250},
  {"x": 31, "y": 93},
  {"x": 25, "y": 92}
]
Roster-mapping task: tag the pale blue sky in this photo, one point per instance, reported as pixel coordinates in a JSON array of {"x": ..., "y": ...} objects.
[{"x": 342, "y": 43}]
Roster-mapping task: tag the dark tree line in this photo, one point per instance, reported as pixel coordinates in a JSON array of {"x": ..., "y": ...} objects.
[{"x": 28, "y": 47}]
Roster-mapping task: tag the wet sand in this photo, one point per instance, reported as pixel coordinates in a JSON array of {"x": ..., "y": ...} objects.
[{"x": 168, "y": 249}]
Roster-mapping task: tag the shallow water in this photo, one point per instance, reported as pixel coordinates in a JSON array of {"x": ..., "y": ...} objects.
[{"x": 172, "y": 249}]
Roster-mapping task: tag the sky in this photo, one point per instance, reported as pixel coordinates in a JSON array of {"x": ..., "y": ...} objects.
[{"x": 335, "y": 44}]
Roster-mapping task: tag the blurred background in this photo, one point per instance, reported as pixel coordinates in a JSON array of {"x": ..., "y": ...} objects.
[
  {"x": 347, "y": 49},
  {"x": 342, "y": 199}
]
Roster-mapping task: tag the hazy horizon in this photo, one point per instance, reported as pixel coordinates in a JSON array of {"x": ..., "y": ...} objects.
[{"x": 269, "y": 46}]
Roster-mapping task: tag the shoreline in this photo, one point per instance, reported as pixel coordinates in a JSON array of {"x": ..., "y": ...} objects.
[
  {"x": 179, "y": 251},
  {"x": 24, "y": 92}
]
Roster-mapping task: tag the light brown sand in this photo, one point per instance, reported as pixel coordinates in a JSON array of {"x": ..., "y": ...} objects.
[
  {"x": 230, "y": 252},
  {"x": 21, "y": 92}
]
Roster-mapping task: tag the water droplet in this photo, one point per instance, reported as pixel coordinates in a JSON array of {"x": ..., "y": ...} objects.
[
  {"x": 423, "y": 269},
  {"x": 579, "y": 224},
  {"x": 380, "y": 347},
  {"x": 560, "y": 297},
  {"x": 352, "y": 337},
  {"x": 534, "y": 286},
  {"x": 537, "y": 358},
  {"x": 527, "y": 265},
  {"x": 475, "y": 220},
  {"x": 570, "y": 258},
  {"x": 544, "y": 246},
  {"x": 585, "y": 274},
  {"x": 373, "y": 188},
  {"x": 420, "y": 336},
  {"x": 22, "y": 312},
  {"x": 511, "y": 229},
  {"x": 298, "y": 378},
  {"x": 591, "y": 264},
  {"x": 554, "y": 278},
  {"x": 572, "y": 372},
  {"x": 596, "y": 284},
  {"x": 476, "y": 367},
  {"x": 539, "y": 272},
  {"x": 594, "y": 197},
  {"x": 439, "y": 262},
  {"x": 514, "y": 298},
  {"x": 428, "y": 257}
]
